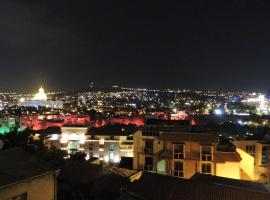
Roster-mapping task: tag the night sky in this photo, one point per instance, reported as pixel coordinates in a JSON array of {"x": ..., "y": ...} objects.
[{"x": 64, "y": 44}]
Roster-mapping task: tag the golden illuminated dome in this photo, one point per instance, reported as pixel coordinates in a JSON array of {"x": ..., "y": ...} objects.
[{"x": 41, "y": 95}]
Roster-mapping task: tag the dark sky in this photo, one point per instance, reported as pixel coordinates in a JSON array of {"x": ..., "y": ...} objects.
[{"x": 199, "y": 44}]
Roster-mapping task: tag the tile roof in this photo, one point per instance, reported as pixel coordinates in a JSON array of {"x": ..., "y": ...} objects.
[
  {"x": 18, "y": 165},
  {"x": 159, "y": 187}
]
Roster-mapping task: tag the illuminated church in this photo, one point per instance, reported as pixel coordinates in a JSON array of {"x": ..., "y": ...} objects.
[{"x": 40, "y": 99}]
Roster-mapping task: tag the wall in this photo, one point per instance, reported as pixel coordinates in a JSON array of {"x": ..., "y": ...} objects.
[
  {"x": 228, "y": 170},
  {"x": 247, "y": 163},
  {"x": 41, "y": 188}
]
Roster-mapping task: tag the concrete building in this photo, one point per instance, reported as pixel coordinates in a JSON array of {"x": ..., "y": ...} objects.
[
  {"x": 171, "y": 148},
  {"x": 111, "y": 142},
  {"x": 24, "y": 177},
  {"x": 255, "y": 159},
  {"x": 108, "y": 143},
  {"x": 72, "y": 139}
]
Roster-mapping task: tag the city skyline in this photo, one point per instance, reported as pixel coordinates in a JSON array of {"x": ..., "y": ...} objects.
[{"x": 136, "y": 44}]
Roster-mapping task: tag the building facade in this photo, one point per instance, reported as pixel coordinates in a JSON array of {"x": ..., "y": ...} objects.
[
  {"x": 110, "y": 143},
  {"x": 173, "y": 150},
  {"x": 255, "y": 159}
]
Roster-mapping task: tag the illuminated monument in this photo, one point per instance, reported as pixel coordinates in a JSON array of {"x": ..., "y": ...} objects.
[
  {"x": 40, "y": 96},
  {"x": 40, "y": 100}
]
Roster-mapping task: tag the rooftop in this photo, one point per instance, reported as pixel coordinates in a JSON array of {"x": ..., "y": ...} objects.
[
  {"x": 196, "y": 137},
  {"x": 159, "y": 187},
  {"x": 18, "y": 165},
  {"x": 161, "y": 122},
  {"x": 113, "y": 130}
]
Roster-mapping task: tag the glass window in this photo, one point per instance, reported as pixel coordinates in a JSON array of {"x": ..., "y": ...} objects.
[
  {"x": 264, "y": 160},
  {"x": 178, "y": 151},
  {"x": 206, "y": 168},
  {"x": 206, "y": 153},
  {"x": 250, "y": 149},
  {"x": 111, "y": 147},
  {"x": 178, "y": 169},
  {"x": 148, "y": 147},
  {"x": 91, "y": 147},
  {"x": 148, "y": 163}
]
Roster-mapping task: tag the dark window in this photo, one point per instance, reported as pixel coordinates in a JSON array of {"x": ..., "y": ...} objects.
[
  {"x": 178, "y": 169},
  {"x": 91, "y": 147},
  {"x": 206, "y": 153},
  {"x": 148, "y": 163},
  {"x": 148, "y": 147},
  {"x": 206, "y": 168},
  {"x": 250, "y": 149},
  {"x": 264, "y": 156},
  {"x": 178, "y": 152}
]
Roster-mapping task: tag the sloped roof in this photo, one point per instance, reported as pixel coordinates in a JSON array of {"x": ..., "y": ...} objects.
[
  {"x": 159, "y": 187},
  {"x": 222, "y": 157},
  {"x": 17, "y": 165}
]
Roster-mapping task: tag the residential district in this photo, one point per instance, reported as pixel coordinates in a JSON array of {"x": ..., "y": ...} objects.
[{"x": 131, "y": 143}]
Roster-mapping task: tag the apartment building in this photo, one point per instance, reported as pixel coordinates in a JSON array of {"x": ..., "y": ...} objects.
[
  {"x": 255, "y": 158},
  {"x": 111, "y": 142},
  {"x": 172, "y": 148}
]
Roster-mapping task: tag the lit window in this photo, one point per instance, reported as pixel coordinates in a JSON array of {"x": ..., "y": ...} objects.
[{"x": 111, "y": 147}]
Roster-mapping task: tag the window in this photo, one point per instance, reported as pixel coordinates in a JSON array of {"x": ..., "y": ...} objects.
[
  {"x": 178, "y": 151},
  {"x": 206, "y": 153},
  {"x": 148, "y": 147},
  {"x": 111, "y": 147},
  {"x": 148, "y": 163},
  {"x": 250, "y": 149},
  {"x": 206, "y": 168},
  {"x": 264, "y": 160},
  {"x": 178, "y": 169},
  {"x": 91, "y": 147}
]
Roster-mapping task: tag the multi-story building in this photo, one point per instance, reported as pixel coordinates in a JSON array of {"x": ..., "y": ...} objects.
[
  {"x": 111, "y": 142},
  {"x": 72, "y": 139},
  {"x": 171, "y": 148},
  {"x": 108, "y": 143},
  {"x": 255, "y": 158}
]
